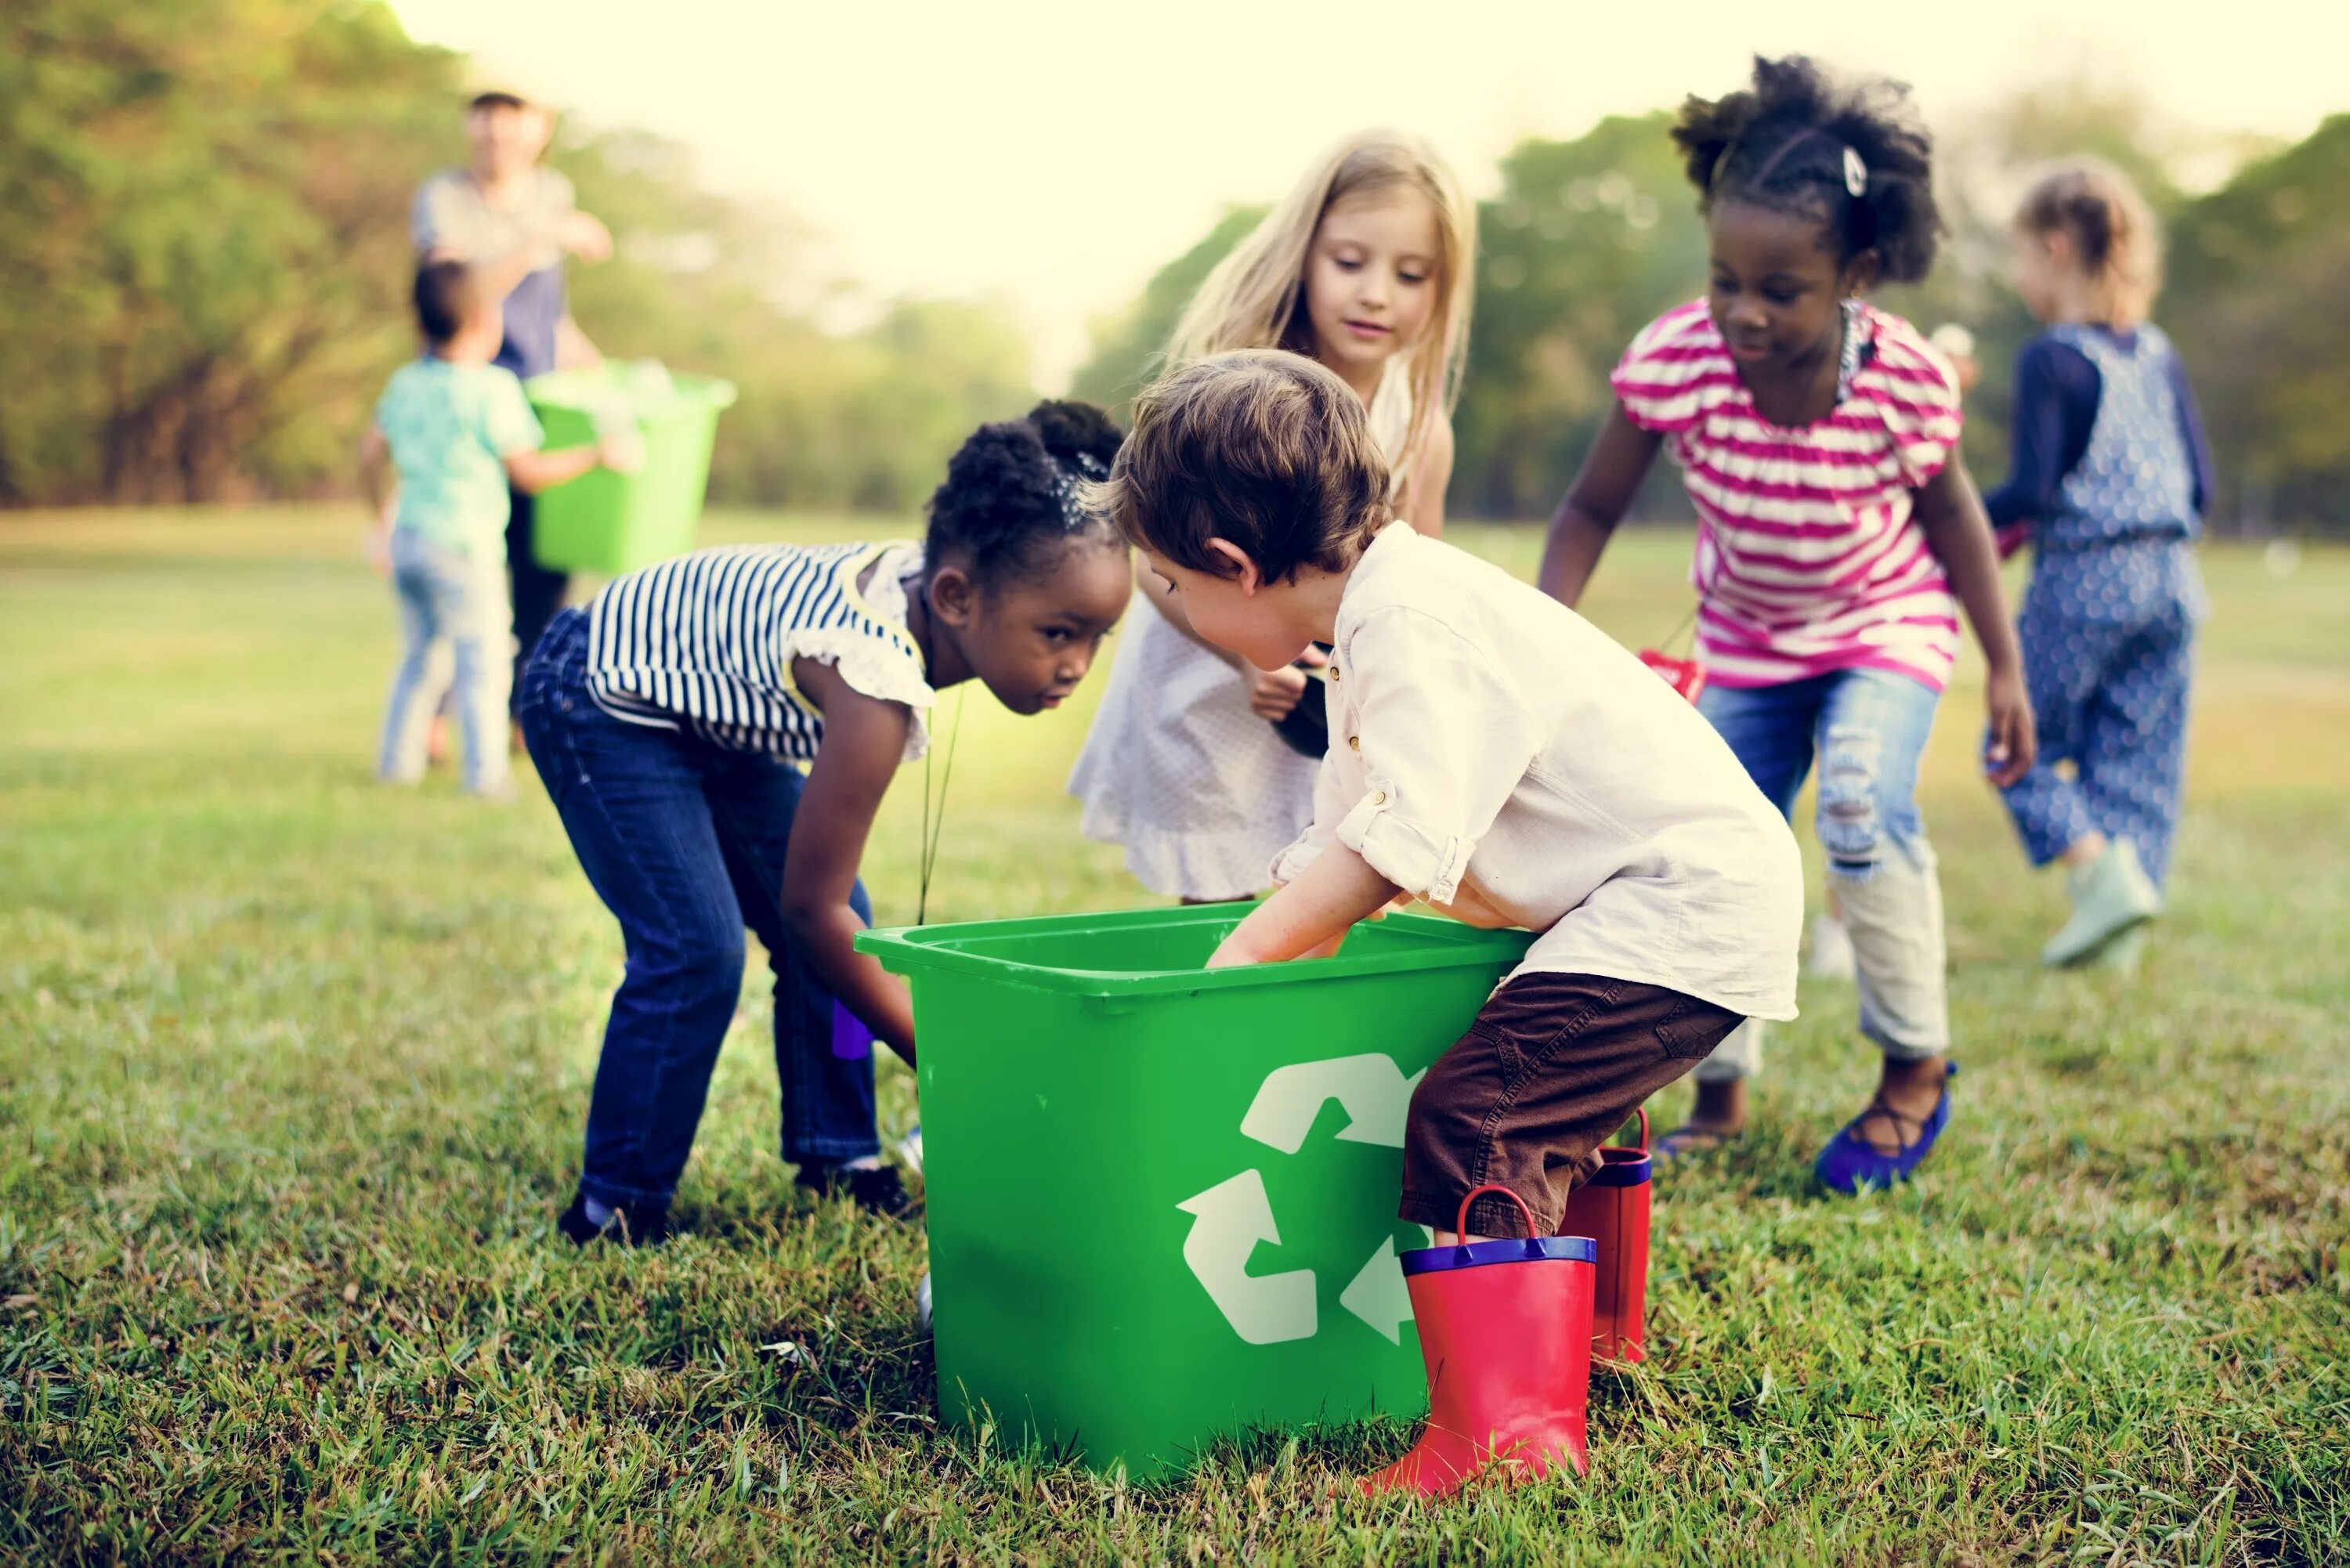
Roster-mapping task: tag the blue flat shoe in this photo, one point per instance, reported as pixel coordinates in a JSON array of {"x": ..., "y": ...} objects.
[{"x": 1850, "y": 1162}]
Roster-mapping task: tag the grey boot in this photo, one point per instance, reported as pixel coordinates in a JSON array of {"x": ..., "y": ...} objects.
[{"x": 2110, "y": 895}]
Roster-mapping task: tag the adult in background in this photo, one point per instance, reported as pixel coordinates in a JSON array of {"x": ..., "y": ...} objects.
[{"x": 512, "y": 221}]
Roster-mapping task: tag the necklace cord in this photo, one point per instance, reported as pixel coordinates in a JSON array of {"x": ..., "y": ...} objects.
[{"x": 934, "y": 818}]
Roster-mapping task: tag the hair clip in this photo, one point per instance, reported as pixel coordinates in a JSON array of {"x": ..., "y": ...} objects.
[{"x": 1856, "y": 173}]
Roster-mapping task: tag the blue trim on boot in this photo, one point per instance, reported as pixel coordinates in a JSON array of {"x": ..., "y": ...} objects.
[{"x": 1850, "y": 1162}]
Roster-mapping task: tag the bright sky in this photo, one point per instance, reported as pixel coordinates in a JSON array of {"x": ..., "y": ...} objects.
[{"x": 1054, "y": 154}]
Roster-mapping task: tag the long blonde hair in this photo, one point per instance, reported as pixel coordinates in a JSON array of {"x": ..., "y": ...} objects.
[
  {"x": 1255, "y": 298},
  {"x": 2116, "y": 241}
]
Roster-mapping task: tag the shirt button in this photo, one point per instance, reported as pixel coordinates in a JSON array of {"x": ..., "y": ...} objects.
[
  {"x": 1356, "y": 742},
  {"x": 1333, "y": 672},
  {"x": 1380, "y": 797}
]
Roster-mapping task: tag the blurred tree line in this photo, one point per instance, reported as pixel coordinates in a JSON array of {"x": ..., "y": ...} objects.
[
  {"x": 204, "y": 263},
  {"x": 1590, "y": 238}
]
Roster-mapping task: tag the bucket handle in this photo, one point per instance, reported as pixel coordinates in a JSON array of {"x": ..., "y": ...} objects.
[
  {"x": 1642, "y": 1111},
  {"x": 1461, "y": 1220}
]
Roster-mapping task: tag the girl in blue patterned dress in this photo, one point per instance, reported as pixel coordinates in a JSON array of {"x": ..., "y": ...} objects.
[
  {"x": 672, "y": 718},
  {"x": 2111, "y": 476}
]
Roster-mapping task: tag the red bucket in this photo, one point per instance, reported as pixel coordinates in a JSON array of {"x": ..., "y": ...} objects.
[{"x": 1686, "y": 676}]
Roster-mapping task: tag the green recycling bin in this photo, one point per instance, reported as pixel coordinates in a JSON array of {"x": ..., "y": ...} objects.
[
  {"x": 614, "y": 523},
  {"x": 1162, "y": 1200}
]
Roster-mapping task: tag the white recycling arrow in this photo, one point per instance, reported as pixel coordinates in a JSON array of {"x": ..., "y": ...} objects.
[
  {"x": 1232, "y": 1217},
  {"x": 1377, "y": 1295},
  {"x": 1371, "y": 1088}
]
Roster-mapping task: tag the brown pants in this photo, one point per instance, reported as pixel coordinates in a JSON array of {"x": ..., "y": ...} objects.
[{"x": 1552, "y": 1065}]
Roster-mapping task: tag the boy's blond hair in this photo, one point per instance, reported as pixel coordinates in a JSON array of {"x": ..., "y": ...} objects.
[
  {"x": 1263, "y": 448},
  {"x": 1255, "y": 297},
  {"x": 2115, "y": 240}
]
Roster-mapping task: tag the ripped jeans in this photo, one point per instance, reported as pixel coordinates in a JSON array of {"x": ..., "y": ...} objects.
[{"x": 1866, "y": 728}]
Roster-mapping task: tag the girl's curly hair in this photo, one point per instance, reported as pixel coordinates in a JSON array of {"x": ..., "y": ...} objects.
[
  {"x": 1798, "y": 140},
  {"x": 1008, "y": 503}
]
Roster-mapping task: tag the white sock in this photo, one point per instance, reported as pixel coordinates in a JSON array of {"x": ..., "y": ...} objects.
[
  {"x": 862, "y": 1162},
  {"x": 598, "y": 1214}
]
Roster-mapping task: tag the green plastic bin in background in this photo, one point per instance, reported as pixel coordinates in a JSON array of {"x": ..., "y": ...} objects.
[
  {"x": 1161, "y": 1200},
  {"x": 614, "y": 523}
]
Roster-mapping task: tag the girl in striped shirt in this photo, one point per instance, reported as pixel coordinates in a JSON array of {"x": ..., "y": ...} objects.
[
  {"x": 1817, "y": 437},
  {"x": 671, "y": 719}
]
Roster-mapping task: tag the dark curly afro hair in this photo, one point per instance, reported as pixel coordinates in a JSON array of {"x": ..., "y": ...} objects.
[
  {"x": 1781, "y": 144},
  {"x": 1008, "y": 505}
]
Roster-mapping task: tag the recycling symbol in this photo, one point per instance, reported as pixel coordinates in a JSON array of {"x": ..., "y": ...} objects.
[{"x": 1231, "y": 1218}]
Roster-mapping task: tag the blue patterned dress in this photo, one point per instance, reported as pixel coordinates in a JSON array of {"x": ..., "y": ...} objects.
[{"x": 2109, "y": 623}]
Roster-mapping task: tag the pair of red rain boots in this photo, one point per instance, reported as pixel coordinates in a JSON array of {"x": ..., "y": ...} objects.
[{"x": 1507, "y": 1330}]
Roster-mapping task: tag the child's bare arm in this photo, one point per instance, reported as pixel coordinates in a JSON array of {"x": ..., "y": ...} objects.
[
  {"x": 1959, "y": 534},
  {"x": 532, "y": 471},
  {"x": 864, "y": 740},
  {"x": 1309, "y": 918},
  {"x": 375, "y": 470},
  {"x": 1602, "y": 493},
  {"x": 375, "y": 466}
]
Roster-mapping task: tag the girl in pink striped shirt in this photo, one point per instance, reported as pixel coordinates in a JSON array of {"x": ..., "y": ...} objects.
[{"x": 1817, "y": 437}]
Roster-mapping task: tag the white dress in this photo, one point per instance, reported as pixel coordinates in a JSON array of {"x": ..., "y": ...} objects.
[{"x": 1201, "y": 792}]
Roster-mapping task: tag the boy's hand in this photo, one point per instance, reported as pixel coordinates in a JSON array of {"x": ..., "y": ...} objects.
[
  {"x": 584, "y": 236},
  {"x": 2011, "y": 742},
  {"x": 379, "y": 544}
]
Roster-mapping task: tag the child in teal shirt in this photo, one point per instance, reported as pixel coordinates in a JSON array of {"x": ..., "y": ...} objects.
[{"x": 460, "y": 432}]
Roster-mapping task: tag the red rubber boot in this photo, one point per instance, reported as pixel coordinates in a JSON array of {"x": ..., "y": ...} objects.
[
  {"x": 1612, "y": 1209},
  {"x": 1506, "y": 1332}
]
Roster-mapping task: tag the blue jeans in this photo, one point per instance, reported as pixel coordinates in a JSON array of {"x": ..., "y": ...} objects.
[
  {"x": 684, "y": 842},
  {"x": 447, "y": 597},
  {"x": 1866, "y": 728}
]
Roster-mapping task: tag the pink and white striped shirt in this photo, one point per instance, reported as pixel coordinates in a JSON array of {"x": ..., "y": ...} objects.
[{"x": 1809, "y": 558}]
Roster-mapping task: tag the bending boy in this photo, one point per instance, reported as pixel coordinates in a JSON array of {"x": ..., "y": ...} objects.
[{"x": 1492, "y": 752}]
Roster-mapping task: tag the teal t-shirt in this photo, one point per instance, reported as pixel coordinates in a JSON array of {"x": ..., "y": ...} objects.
[{"x": 449, "y": 428}]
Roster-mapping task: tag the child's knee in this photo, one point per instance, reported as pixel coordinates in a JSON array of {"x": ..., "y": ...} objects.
[
  {"x": 1862, "y": 811},
  {"x": 695, "y": 967}
]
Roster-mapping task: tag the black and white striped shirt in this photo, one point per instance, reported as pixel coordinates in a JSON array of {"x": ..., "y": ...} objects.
[{"x": 705, "y": 642}]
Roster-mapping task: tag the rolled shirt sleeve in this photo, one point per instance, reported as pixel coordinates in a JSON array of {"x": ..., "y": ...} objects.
[{"x": 1443, "y": 740}]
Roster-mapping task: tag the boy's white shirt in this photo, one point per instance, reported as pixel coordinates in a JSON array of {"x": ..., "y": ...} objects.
[{"x": 1495, "y": 753}]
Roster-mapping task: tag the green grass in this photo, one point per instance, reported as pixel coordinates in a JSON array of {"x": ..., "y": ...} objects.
[{"x": 291, "y": 1072}]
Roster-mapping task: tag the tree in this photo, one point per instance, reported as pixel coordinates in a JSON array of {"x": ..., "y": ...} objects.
[
  {"x": 190, "y": 195},
  {"x": 2254, "y": 303},
  {"x": 204, "y": 263},
  {"x": 1589, "y": 241},
  {"x": 1128, "y": 346}
]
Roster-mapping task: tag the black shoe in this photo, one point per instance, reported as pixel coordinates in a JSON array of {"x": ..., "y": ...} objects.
[
  {"x": 632, "y": 1224},
  {"x": 878, "y": 1188}
]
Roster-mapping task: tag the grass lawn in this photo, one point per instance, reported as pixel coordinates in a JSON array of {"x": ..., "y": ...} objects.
[{"x": 293, "y": 1068}]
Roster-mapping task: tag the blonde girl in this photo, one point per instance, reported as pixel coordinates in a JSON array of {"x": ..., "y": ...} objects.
[
  {"x": 1365, "y": 266},
  {"x": 2111, "y": 473}
]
